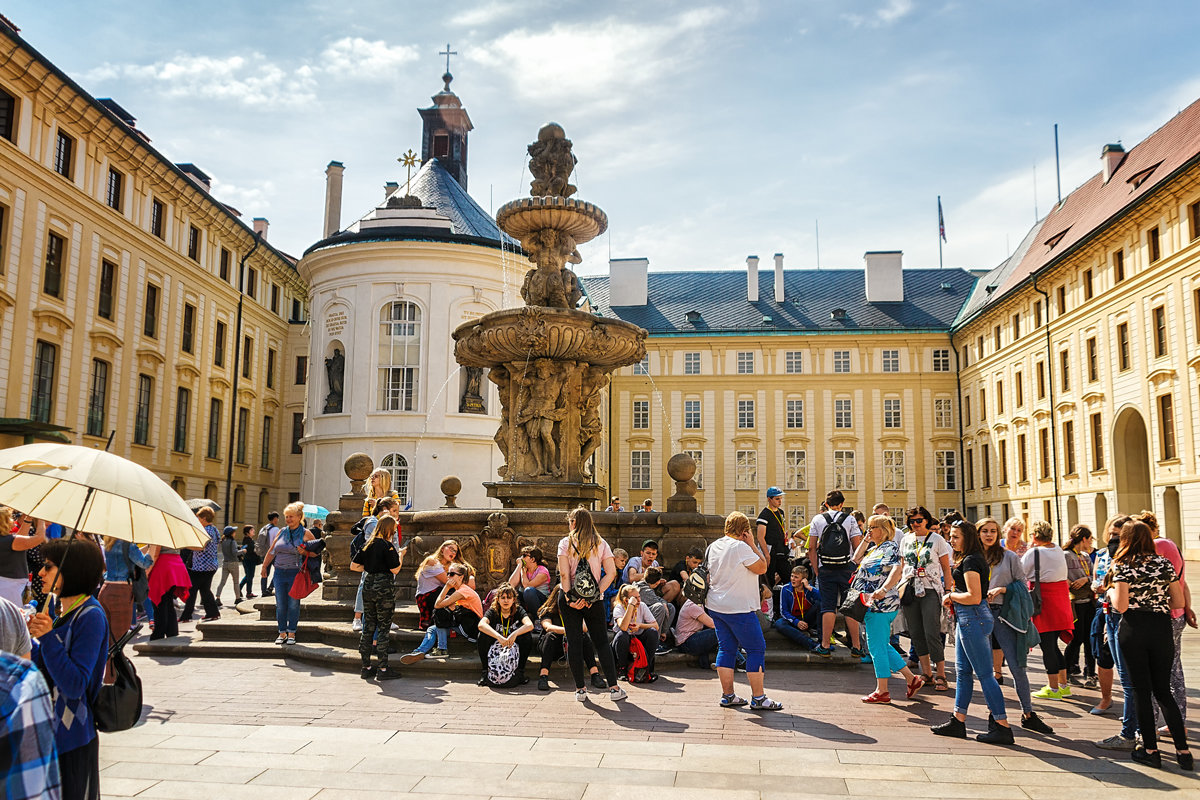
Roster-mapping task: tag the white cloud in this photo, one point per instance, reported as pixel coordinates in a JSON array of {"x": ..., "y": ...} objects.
[
  {"x": 250, "y": 80},
  {"x": 488, "y": 13},
  {"x": 356, "y": 57},
  {"x": 888, "y": 14},
  {"x": 250, "y": 199}
]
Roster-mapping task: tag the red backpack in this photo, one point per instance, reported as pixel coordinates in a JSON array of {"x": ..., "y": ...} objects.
[{"x": 639, "y": 665}]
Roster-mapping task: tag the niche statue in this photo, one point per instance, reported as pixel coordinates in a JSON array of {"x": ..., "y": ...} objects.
[{"x": 335, "y": 370}]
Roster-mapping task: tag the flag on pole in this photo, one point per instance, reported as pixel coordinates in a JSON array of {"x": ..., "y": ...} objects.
[
  {"x": 941, "y": 220},
  {"x": 409, "y": 506}
]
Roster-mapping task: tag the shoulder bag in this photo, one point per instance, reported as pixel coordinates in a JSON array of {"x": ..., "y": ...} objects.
[{"x": 1035, "y": 592}]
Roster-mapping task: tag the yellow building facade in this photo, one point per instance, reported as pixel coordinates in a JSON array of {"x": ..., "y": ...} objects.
[
  {"x": 1081, "y": 352},
  {"x": 119, "y": 300}
]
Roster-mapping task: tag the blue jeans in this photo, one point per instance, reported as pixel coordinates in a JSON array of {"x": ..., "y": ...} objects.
[
  {"x": 884, "y": 658},
  {"x": 973, "y": 658},
  {"x": 1129, "y": 725},
  {"x": 287, "y": 608},
  {"x": 701, "y": 643},
  {"x": 739, "y": 630},
  {"x": 532, "y": 599},
  {"x": 434, "y": 634},
  {"x": 358, "y": 598},
  {"x": 1006, "y": 637},
  {"x": 794, "y": 634}
]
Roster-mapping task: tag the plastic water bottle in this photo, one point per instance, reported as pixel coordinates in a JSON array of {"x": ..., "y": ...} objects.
[{"x": 29, "y": 609}]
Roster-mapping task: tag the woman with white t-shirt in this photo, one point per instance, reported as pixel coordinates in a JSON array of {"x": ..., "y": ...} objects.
[
  {"x": 734, "y": 564},
  {"x": 926, "y": 557},
  {"x": 582, "y": 548}
]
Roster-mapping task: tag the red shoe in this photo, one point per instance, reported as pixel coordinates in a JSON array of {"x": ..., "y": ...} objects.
[
  {"x": 915, "y": 685},
  {"x": 878, "y": 697}
]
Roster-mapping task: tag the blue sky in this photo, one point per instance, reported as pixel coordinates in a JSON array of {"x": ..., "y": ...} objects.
[{"x": 707, "y": 132}]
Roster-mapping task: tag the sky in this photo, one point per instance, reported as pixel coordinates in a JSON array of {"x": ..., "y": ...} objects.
[{"x": 819, "y": 129}]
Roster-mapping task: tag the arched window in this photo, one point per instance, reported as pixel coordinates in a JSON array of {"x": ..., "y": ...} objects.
[
  {"x": 210, "y": 491},
  {"x": 264, "y": 501},
  {"x": 239, "y": 504},
  {"x": 180, "y": 486},
  {"x": 399, "y": 356},
  {"x": 398, "y": 466}
]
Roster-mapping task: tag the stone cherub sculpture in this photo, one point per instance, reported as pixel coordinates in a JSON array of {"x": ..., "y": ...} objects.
[
  {"x": 591, "y": 427},
  {"x": 551, "y": 162}
]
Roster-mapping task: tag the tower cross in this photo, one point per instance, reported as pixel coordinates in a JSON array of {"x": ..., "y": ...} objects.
[
  {"x": 409, "y": 160},
  {"x": 447, "y": 53}
]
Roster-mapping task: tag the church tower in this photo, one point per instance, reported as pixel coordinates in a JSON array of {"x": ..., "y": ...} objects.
[{"x": 446, "y": 126}]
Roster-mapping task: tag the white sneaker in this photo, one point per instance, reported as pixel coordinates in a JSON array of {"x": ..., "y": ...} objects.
[
  {"x": 395, "y": 628},
  {"x": 617, "y": 694},
  {"x": 356, "y": 626},
  {"x": 581, "y": 695}
]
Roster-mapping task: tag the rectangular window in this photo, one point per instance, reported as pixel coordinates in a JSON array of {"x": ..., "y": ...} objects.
[
  {"x": 214, "y": 428},
  {"x": 1016, "y": 327},
  {"x": 982, "y": 405},
  {"x": 797, "y": 520},
  {"x": 1037, "y": 313},
  {"x": 301, "y": 370},
  {"x": 1153, "y": 245},
  {"x": 643, "y": 366},
  {"x": 691, "y": 363},
  {"x": 1123, "y": 346},
  {"x": 841, "y": 360},
  {"x": 891, "y": 360},
  {"x": 193, "y": 243},
  {"x": 64, "y": 151},
  {"x": 1064, "y": 370},
  {"x": 941, "y": 360},
  {"x": 3, "y": 230},
  {"x": 1196, "y": 312},
  {"x": 1194, "y": 219},
  {"x": 1061, "y": 296},
  {"x": 150, "y": 321},
  {"x": 691, "y": 414},
  {"x": 188, "y": 335},
  {"x": 1093, "y": 360},
  {"x": 891, "y": 413},
  {"x": 41, "y": 405},
  {"x": 996, "y": 338},
  {"x": 1041, "y": 380},
  {"x": 265, "y": 461},
  {"x": 985, "y": 463},
  {"x": 247, "y": 356},
  {"x": 297, "y": 312},
  {"x": 252, "y": 283},
  {"x": 141, "y": 419},
  {"x": 795, "y": 470},
  {"x": 966, "y": 356},
  {"x": 297, "y": 432},
  {"x": 966, "y": 409},
  {"x": 157, "y": 219},
  {"x": 243, "y": 425},
  {"x": 183, "y": 402},
  {"x": 397, "y": 385},
  {"x": 1089, "y": 287},
  {"x": 641, "y": 414},
  {"x": 999, "y": 397},
  {"x": 794, "y": 362},
  {"x": 1022, "y": 459},
  {"x": 639, "y": 469},
  {"x": 1019, "y": 388},
  {"x": 224, "y": 268},
  {"x": 943, "y": 416},
  {"x": 219, "y": 345},
  {"x": 52, "y": 279},
  {"x": 745, "y": 363},
  {"x": 108, "y": 276},
  {"x": 1118, "y": 266},
  {"x": 1068, "y": 432},
  {"x": 698, "y": 457},
  {"x": 98, "y": 398},
  {"x": 844, "y": 475},
  {"x": 1044, "y": 446},
  {"x": 274, "y": 298},
  {"x": 795, "y": 413},
  {"x": 745, "y": 413},
  {"x": 969, "y": 469},
  {"x": 112, "y": 194},
  {"x": 1097, "y": 443},
  {"x": 979, "y": 348},
  {"x": 1166, "y": 422},
  {"x": 843, "y": 413},
  {"x": 893, "y": 471},
  {"x": 1159, "y": 315},
  {"x": 270, "y": 368},
  {"x": 946, "y": 470},
  {"x": 8, "y": 116},
  {"x": 746, "y": 469}
]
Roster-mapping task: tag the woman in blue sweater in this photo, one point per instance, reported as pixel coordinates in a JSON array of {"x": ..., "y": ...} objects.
[{"x": 70, "y": 648}]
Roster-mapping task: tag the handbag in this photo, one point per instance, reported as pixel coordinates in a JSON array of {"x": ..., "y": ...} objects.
[
  {"x": 854, "y": 607},
  {"x": 1035, "y": 592},
  {"x": 502, "y": 663},
  {"x": 695, "y": 588},
  {"x": 908, "y": 595},
  {"x": 584, "y": 585},
  {"x": 118, "y": 706},
  {"x": 303, "y": 585}
]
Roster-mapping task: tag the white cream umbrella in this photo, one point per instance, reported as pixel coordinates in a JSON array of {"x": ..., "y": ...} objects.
[{"x": 98, "y": 492}]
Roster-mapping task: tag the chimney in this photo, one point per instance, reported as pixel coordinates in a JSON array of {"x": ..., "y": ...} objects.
[
  {"x": 389, "y": 189},
  {"x": 1112, "y": 155},
  {"x": 885, "y": 276},
  {"x": 260, "y": 227},
  {"x": 333, "y": 198},
  {"x": 779, "y": 277},
  {"x": 752, "y": 278},
  {"x": 627, "y": 281}
]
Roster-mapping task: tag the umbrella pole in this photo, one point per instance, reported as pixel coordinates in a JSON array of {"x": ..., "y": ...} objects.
[{"x": 82, "y": 510}]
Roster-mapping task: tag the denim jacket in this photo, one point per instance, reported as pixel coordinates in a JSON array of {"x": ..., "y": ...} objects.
[{"x": 119, "y": 560}]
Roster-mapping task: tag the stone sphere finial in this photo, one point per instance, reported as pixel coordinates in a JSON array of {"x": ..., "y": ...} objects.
[
  {"x": 451, "y": 486},
  {"x": 358, "y": 468},
  {"x": 681, "y": 467}
]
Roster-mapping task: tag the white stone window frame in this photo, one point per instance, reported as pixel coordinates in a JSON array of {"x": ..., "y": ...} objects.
[
  {"x": 746, "y": 469},
  {"x": 893, "y": 413},
  {"x": 895, "y": 477},
  {"x": 890, "y": 361},
  {"x": 639, "y": 469},
  {"x": 795, "y": 470},
  {"x": 390, "y": 397},
  {"x": 843, "y": 413},
  {"x": 841, "y": 362},
  {"x": 794, "y": 412},
  {"x": 845, "y": 477},
  {"x": 745, "y": 414}
]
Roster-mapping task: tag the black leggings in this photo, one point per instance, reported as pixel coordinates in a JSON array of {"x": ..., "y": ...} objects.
[
  {"x": 1051, "y": 654},
  {"x": 554, "y": 646},
  {"x": 597, "y": 630},
  {"x": 202, "y": 586},
  {"x": 1084, "y": 613},
  {"x": 80, "y": 770},
  {"x": 1148, "y": 653}
]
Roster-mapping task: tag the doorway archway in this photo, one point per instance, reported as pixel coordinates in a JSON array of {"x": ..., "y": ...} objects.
[{"x": 1131, "y": 462}]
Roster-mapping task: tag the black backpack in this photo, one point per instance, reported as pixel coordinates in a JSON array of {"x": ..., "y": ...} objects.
[
  {"x": 359, "y": 532},
  {"x": 584, "y": 586},
  {"x": 834, "y": 547},
  {"x": 695, "y": 588}
]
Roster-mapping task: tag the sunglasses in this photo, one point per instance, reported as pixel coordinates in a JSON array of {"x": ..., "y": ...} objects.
[{"x": 917, "y": 521}]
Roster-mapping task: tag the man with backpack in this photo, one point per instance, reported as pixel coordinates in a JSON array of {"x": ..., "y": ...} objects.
[
  {"x": 832, "y": 539},
  {"x": 267, "y": 535}
]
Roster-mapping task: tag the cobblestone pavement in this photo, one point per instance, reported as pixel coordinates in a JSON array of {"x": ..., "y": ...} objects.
[{"x": 266, "y": 729}]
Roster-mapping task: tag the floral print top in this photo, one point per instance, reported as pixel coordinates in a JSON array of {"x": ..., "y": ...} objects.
[{"x": 873, "y": 572}]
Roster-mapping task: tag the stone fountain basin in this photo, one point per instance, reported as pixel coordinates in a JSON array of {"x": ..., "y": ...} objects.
[
  {"x": 523, "y": 334},
  {"x": 578, "y": 218}
]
